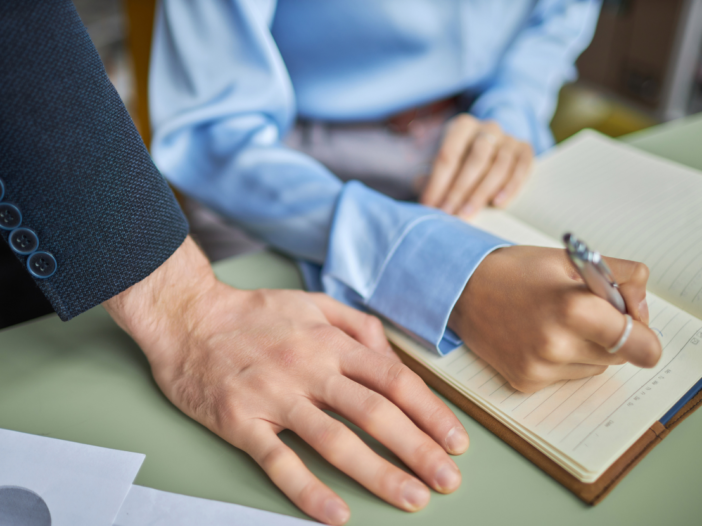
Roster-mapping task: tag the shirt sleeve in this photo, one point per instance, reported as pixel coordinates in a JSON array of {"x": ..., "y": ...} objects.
[
  {"x": 523, "y": 93},
  {"x": 221, "y": 99}
]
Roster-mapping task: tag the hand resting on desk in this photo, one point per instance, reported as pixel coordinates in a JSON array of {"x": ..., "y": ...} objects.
[
  {"x": 477, "y": 165},
  {"x": 248, "y": 364},
  {"x": 527, "y": 312}
]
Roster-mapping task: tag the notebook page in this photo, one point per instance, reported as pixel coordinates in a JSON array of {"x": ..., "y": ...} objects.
[
  {"x": 624, "y": 203},
  {"x": 584, "y": 425}
]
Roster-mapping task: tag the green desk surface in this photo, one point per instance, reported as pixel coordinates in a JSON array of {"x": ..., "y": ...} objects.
[{"x": 86, "y": 381}]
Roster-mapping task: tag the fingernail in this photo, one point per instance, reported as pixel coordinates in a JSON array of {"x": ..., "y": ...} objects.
[
  {"x": 457, "y": 440},
  {"x": 448, "y": 478},
  {"x": 415, "y": 495},
  {"x": 336, "y": 512},
  {"x": 467, "y": 211},
  {"x": 643, "y": 311}
]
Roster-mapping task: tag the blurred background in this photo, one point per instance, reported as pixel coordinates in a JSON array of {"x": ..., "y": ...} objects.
[{"x": 644, "y": 65}]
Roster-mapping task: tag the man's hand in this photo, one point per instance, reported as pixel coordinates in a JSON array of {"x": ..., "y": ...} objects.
[
  {"x": 248, "y": 364},
  {"x": 527, "y": 312},
  {"x": 477, "y": 165}
]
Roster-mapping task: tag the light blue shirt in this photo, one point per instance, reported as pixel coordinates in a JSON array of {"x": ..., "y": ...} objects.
[{"x": 229, "y": 77}]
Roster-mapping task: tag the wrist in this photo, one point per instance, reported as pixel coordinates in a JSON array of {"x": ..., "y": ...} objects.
[{"x": 157, "y": 308}]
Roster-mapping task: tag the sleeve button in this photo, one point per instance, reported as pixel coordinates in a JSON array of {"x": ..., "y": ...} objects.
[
  {"x": 24, "y": 241},
  {"x": 41, "y": 265},
  {"x": 10, "y": 216}
]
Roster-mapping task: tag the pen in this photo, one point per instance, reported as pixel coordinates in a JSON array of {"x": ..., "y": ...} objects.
[{"x": 594, "y": 271}]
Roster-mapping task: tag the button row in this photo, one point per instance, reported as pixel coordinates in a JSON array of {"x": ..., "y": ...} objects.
[{"x": 24, "y": 240}]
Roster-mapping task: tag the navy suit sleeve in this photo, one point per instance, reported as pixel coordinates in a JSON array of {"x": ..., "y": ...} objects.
[{"x": 73, "y": 165}]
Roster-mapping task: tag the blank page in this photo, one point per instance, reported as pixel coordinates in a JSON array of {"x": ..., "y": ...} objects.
[{"x": 623, "y": 203}]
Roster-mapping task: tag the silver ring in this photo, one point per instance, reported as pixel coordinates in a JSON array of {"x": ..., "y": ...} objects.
[
  {"x": 625, "y": 335},
  {"x": 491, "y": 137}
]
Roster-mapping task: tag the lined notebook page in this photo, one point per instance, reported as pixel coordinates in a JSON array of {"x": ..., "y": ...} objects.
[
  {"x": 623, "y": 203},
  {"x": 583, "y": 425}
]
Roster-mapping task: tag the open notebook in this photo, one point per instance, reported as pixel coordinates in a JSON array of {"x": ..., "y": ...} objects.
[{"x": 626, "y": 204}]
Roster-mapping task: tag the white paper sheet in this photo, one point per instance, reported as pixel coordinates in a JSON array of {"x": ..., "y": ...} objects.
[
  {"x": 80, "y": 485},
  {"x": 150, "y": 507}
]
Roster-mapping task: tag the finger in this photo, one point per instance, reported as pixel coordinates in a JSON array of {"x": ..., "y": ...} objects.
[
  {"x": 520, "y": 174},
  {"x": 364, "y": 328},
  {"x": 501, "y": 170},
  {"x": 632, "y": 277},
  {"x": 584, "y": 352},
  {"x": 476, "y": 165},
  {"x": 598, "y": 321},
  {"x": 287, "y": 471},
  {"x": 407, "y": 391},
  {"x": 459, "y": 135},
  {"x": 577, "y": 371},
  {"x": 390, "y": 426},
  {"x": 550, "y": 375},
  {"x": 345, "y": 450}
]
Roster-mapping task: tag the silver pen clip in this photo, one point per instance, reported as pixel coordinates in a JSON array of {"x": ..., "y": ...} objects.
[
  {"x": 595, "y": 272},
  {"x": 597, "y": 260}
]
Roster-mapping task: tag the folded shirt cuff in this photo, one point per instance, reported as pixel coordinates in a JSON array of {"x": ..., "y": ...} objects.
[
  {"x": 404, "y": 262},
  {"x": 426, "y": 274}
]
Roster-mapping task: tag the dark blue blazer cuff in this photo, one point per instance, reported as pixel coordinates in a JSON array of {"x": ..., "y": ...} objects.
[{"x": 74, "y": 166}]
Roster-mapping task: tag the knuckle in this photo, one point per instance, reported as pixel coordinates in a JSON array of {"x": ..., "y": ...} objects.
[
  {"x": 324, "y": 332},
  {"x": 492, "y": 126},
  {"x": 530, "y": 372},
  {"x": 289, "y": 355},
  {"x": 326, "y": 436},
  {"x": 265, "y": 384},
  {"x": 228, "y": 414},
  {"x": 483, "y": 148},
  {"x": 640, "y": 273},
  {"x": 447, "y": 155},
  {"x": 526, "y": 149},
  {"x": 371, "y": 408},
  {"x": 308, "y": 496},
  {"x": 390, "y": 480},
  {"x": 317, "y": 340},
  {"x": 504, "y": 154},
  {"x": 573, "y": 309},
  {"x": 552, "y": 352},
  {"x": 274, "y": 459},
  {"x": 464, "y": 119},
  {"x": 428, "y": 451},
  {"x": 399, "y": 378},
  {"x": 374, "y": 327}
]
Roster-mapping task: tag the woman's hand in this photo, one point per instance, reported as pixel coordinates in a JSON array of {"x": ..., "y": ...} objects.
[
  {"x": 248, "y": 364},
  {"x": 477, "y": 165},
  {"x": 527, "y": 312}
]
